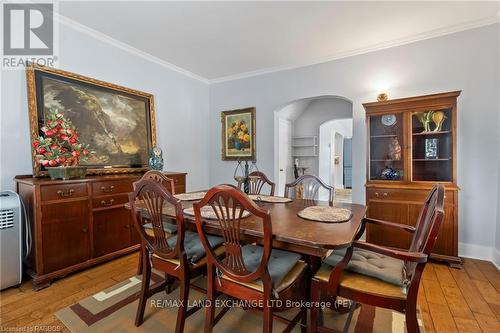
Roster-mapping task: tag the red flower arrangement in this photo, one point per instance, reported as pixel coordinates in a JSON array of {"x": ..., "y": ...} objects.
[{"x": 61, "y": 145}]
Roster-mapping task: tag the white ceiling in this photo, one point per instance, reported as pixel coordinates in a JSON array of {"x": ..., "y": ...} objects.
[{"x": 226, "y": 39}]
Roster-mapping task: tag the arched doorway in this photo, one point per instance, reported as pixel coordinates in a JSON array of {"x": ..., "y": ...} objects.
[{"x": 298, "y": 138}]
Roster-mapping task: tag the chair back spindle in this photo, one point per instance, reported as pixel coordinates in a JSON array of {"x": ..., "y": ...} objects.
[
  {"x": 229, "y": 205},
  {"x": 308, "y": 186},
  {"x": 154, "y": 198},
  {"x": 257, "y": 182}
]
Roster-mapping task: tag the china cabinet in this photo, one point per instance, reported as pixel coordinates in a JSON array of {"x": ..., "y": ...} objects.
[{"x": 411, "y": 146}]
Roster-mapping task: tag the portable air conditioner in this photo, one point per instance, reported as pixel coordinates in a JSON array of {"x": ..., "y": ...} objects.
[{"x": 10, "y": 239}]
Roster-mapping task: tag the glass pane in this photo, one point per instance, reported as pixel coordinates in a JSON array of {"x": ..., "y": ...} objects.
[
  {"x": 432, "y": 145},
  {"x": 386, "y": 153}
]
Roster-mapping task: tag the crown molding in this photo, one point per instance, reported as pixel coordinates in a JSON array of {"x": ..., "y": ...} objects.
[
  {"x": 377, "y": 47},
  {"x": 126, "y": 47}
]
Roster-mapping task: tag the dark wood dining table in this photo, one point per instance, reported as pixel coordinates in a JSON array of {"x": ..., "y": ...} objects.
[{"x": 291, "y": 232}]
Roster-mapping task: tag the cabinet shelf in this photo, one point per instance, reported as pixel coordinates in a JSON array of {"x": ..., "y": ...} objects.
[
  {"x": 430, "y": 133},
  {"x": 384, "y": 136},
  {"x": 431, "y": 159},
  {"x": 386, "y": 160}
]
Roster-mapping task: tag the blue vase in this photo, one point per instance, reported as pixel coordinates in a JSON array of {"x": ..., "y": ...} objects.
[{"x": 237, "y": 144}]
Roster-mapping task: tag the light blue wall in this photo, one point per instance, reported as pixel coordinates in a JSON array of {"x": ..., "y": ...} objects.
[
  {"x": 466, "y": 61},
  {"x": 181, "y": 106}
]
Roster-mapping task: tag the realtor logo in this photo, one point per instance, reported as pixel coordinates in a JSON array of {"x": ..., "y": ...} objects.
[
  {"x": 28, "y": 29},
  {"x": 29, "y": 35}
]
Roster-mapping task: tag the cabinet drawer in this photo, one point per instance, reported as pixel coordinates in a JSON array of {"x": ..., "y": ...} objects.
[
  {"x": 109, "y": 200},
  {"x": 403, "y": 195},
  {"x": 63, "y": 191},
  {"x": 111, "y": 187},
  {"x": 179, "y": 180}
]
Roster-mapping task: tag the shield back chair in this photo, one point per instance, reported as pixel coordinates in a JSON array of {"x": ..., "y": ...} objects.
[
  {"x": 168, "y": 183},
  {"x": 252, "y": 273},
  {"x": 181, "y": 256},
  {"x": 307, "y": 187},
  {"x": 380, "y": 276},
  {"x": 257, "y": 182}
]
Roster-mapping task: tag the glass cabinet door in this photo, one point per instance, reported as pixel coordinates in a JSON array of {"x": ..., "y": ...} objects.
[
  {"x": 386, "y": 147},
  {"x": 432, "y": 145}
]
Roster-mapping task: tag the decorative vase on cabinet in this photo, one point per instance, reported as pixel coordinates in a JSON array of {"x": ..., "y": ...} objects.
[{"x": 398, "y": 182}]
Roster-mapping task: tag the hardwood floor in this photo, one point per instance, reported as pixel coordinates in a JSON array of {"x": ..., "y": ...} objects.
[{"x": 451, "y": 300}]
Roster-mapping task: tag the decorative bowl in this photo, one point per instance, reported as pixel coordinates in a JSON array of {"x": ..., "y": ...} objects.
[{"x": 67, "y": 172}]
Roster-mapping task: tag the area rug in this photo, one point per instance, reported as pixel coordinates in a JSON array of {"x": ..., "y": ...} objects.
[{"x": 114, "y": 309}]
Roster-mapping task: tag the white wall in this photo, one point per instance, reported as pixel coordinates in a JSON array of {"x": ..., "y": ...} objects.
[
  {"x": 329, "y": 148},
  {"x": 181, "y": 105},
  {"x": 467, "y": 61}
]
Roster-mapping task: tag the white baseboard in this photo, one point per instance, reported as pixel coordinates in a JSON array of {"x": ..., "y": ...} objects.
[
  {"x": 479, "y": 252},
  {"x": 496, "y": 258}
]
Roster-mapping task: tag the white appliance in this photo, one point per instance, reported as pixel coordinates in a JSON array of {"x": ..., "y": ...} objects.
[{"x": 10, "y": 239}]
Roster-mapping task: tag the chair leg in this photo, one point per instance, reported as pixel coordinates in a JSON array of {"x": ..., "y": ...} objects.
[
  {"x": 170, "y": 281},
  {"x": 139, "y": 265},
  {"x": 411, "y": 320},
  {"x": 183, "y": 298},
  {"x": 303, "y": 321},
  {"x": 210, "y": 310},
  {"x": 146, "y": 276},
  {"x": 268, "y": 319},
  {"x": 315, "y": 299}
]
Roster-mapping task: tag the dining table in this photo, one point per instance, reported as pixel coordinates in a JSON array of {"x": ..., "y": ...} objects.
[{"x": 290, "y": 232}]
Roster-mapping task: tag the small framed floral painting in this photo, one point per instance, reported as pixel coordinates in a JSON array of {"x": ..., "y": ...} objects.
[{"x": 238, "y": 134}]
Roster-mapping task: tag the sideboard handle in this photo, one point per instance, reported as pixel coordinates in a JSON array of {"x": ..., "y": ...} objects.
[
  {"x": 107, "y": 189},
  {"x": 84, "y": 230},
  {"x": 63, "y": 194},
  {"x": 109, "y": 203}
]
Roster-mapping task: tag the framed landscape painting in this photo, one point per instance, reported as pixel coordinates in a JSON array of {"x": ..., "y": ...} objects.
[
  {"x": 238, "y": 134},
  {"x": 116, "y": 122}
]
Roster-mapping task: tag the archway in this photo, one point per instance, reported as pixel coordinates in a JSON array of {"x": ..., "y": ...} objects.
[{"x": 297, "y": 135}]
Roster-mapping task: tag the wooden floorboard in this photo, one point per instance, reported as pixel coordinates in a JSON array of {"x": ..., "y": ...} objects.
[{"x": 451, "y": 300}]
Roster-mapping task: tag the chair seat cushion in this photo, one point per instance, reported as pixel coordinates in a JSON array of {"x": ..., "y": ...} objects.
[
  {"x": 371, "y": 264},
  {"x": 283, "y": 266},
  {"x": 168, "y": 227},
  {"x": 362, "y": 283},
  {"x": 219, "y": 251},
  {"x": 193, "y": 246}
]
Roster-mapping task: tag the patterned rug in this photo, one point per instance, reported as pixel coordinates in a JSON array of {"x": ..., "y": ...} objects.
[{"x": 113, "y": 310}]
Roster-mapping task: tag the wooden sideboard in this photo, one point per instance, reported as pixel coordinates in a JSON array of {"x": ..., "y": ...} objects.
[{"x": 79, "y": 223}]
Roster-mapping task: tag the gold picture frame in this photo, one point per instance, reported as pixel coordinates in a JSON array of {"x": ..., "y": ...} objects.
[
  {"x": 67, "y": 88},
  {"x": 238, "y": 134}
]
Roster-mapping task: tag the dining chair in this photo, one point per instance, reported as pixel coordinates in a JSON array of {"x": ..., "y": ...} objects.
[
  {"x": 181, "y": 256},
  {"x": 168, "y": 183},
  {"x": 161, "y": 178},
  {"x": 256, "y": 183},
  {"x": 307, "y": 187},
  {"x": 255, "y": 274},
  {"x": 381, "y": 276}
]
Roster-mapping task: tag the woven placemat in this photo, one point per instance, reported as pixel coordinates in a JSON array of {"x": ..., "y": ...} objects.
[
  {"x": 269, "y": 198},
  {"x": 325, "y": 214},
  {"x": 207, "y": 212},
  {"x": 190, "y": 196}
]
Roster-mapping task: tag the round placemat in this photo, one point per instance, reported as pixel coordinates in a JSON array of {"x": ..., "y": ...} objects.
[
  {"x": 269, "y": 198},
  {"x": 325, "y": 214},
  {"x": 207, "y": 212},
  {"x": 190, "y": 196}
]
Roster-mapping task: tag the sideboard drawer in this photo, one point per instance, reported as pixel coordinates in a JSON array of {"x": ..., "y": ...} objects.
[
  {"x": 63, "y": 191},
  {"x": 109, "y": 200},
  {"x": 403, "y": 195},
  {"x": 111, "y": 187}
]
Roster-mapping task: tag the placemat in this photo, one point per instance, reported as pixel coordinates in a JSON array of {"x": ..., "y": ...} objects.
[
  {"x": 190, "y": 196},
  {"x": 269, "y": 198},
  {"x": 207, "y": 212},
  {"x": 325, "y": 214}
]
